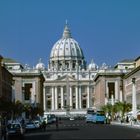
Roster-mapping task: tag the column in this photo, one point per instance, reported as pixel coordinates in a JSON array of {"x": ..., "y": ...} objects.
[
  {"x": 106, "y": 101},
  {"x": 32, "y": 99},
  {"x": 134, "y": 102},
  {"x": 121, "y": 94},
  {"x": 116, "y": 91},
  {"x": 56, "y": 98},
  {"x": 70, "y": 97},
  {"x": 88, "y": 96},
  {"x": 106, "y": 94},
  {"x": 62, "y": 98},
  {"x": 44, "y": 99},
  {"x": 53, "y": 103},
  {"x": 76, "y": 89},
  {"x": 112, "y": 99},
  {"x": 80, "y": 98}
]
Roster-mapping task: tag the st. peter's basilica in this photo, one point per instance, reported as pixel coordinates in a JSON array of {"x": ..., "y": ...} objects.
[{"x": 68, "y": 84}]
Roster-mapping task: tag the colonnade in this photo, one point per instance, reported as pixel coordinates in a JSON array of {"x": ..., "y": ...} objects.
[{"x": 74, "y": 95}]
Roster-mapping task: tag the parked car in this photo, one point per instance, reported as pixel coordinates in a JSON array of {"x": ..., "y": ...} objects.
[
  {"x": 14, "y": 129},
  {"x": 50, "y": 118},
  {"x": 72, "y": 118},
  {"x": 30, "y": 126},
  {"x": 37, "y": 123}
]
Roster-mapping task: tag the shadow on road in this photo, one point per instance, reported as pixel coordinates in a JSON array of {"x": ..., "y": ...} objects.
[
  {"x": 62, "y": 129},
  {"x": 38, "y": 137}
]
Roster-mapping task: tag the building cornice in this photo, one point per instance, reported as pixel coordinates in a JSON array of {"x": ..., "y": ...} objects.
[{"x": 132, "y": 72}]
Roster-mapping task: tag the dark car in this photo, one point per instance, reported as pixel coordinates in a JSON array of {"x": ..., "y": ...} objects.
[{"x": 14, "y": 130}]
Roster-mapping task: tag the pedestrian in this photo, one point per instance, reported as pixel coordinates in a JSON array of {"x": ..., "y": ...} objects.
[
  {"x": 44, "y": 125},
  {"x": 56, "y": 123},
  {"x": 3, "y": 132},
  {"x": 127, "y": 119},
  {"x": 22, "y": 122},
  {"x": 109, "y": 118}
]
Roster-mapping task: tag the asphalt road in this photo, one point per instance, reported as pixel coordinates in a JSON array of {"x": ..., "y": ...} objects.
[{"x": 79, "y": 130}]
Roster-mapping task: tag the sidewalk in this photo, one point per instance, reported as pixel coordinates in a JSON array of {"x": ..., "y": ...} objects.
[{"x": 130, "y": 124}]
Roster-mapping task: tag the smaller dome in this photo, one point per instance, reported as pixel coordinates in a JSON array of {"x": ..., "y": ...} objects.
[
  {"x": 92, "y": 66},
  {"x": 104, "y": 66},
  {"x": 40, "y": 65}
]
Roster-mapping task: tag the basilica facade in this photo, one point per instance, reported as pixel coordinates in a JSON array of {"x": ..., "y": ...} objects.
[{"x": 68, "y": 81}]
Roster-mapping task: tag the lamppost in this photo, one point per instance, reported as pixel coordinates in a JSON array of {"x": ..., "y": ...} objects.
[{"x": 134, "y": 104}]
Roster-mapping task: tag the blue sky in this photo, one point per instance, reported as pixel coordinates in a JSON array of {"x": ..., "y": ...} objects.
[{"x": 107, "y": 30}]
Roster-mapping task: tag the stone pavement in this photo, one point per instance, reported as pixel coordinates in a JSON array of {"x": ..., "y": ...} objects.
[{"x": 130, "y": 124}]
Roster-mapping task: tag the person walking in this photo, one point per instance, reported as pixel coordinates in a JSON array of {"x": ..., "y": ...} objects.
[
  {"x": 44, "y": 125},
  {"x": 3, "y": 132},
  {"x": 56, "y": 123}
]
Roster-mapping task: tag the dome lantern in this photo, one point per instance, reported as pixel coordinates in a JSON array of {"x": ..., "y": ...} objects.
[{"x": 66, "y": 32}]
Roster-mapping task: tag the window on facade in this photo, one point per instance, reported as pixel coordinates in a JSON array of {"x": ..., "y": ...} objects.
[
  {"x": 65, "y": 102},
  {"x": 59, "y": 95},
  {"x": 84, "y": 102},
  {"x": 48, "y": 76},
  {"x": 59, "y": 105},
  {"x": 73, "y": 76},
  {"x": 73, "y": 65},
  {"x": 27, "y": 91},
  {"x": 49, "y": 97},
  {"x": 111, "y": 89},
  {"x": 49, "y": 104},
  {"x": 73, "y": 105},
  {"x": 64, "y": 89},
  {"x": 83, "y": 76}
]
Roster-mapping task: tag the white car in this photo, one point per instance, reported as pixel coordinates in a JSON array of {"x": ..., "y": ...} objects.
[
  {"x": 71, "y": 118},
  {"x": 37, "y": 123},
  {"x": 30, "y": 126}
]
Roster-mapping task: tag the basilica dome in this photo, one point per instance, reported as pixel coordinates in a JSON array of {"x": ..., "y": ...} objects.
[
  {"x": 66, "y": 47},
  {"x": 66, "y": 53}
]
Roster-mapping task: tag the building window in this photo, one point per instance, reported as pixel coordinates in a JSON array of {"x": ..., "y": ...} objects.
[
  {"x": 84, "y": 103},
  {"x": 49, "y": 104},
  {"x": 65, "y": 102},
  {"x": 73, "y": 76},
  {"x": 27, "y": 91},
  {"x": 73, "y": 106},
  {"x": 59, "y": 105},
  {"x": 111, "y": 89},
  {"x": 48, "y": 76}
]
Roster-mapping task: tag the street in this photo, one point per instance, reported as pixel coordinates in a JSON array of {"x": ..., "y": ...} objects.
[{"x": 78, "y": 129}]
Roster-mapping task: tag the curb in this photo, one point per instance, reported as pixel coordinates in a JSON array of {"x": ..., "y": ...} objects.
[{"x": 127, "y": 125}]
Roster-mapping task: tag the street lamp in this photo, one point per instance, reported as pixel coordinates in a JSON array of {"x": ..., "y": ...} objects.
[{"x": 134, "y": 104}]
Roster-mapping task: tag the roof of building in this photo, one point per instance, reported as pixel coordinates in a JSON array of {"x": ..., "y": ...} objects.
[
  {"x": 9, "y": 60},
  {"x": 127, "y": 61},
  {"x": 132, "y": 72},
  {"x": 137, "y": 58}
]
